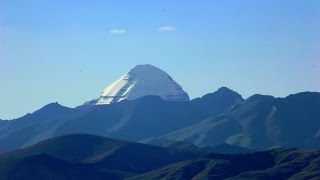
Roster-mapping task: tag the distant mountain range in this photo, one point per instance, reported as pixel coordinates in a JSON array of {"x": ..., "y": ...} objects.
[
  {"x": 144, "y": 126},
  {"x": 82, "y": 156},
  {"x": 213, "y": 137},
  {"x": 260, "y": 122},
  {"x": 136, "y": 120},
  {"x": 146, "y": 105}
]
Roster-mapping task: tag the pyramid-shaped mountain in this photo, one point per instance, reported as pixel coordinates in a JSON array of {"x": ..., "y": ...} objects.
[{"x": 140, "y": 81}]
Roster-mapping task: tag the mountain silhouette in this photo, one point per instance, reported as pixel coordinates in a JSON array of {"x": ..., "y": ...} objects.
[
  {"x": 261, "y": 122},
  {"x": 136, "y": 120},
  {"x": 83, "y": 156}
]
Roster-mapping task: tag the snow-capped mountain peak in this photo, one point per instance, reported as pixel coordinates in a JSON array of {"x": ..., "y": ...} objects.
[{"x": 143, "y": 80}]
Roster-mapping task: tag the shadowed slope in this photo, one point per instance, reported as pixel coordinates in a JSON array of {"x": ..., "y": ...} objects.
[
  {"x": 276, "y": 164},
  {"x": 103, "y": 152},
  {"x": 261, "y": 122}
]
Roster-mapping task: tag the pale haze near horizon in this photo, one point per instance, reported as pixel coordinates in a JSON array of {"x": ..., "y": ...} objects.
[{"x": 69, "y": 51}]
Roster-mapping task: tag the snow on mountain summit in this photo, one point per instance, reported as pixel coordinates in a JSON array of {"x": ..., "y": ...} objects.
[{"x": 143, "y": 80}]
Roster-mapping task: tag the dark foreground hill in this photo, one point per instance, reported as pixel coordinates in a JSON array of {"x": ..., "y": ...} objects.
[
  {"x": 276, "y": 164},
  {"x": 43, "y": 166},
  {"x": 187, "y": 146},
  {"x": 99, "y": 152},
  {"x": 92, "y": 157}
]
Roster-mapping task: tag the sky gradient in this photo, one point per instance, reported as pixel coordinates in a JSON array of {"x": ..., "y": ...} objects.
[{"x": 68, "y": 51}]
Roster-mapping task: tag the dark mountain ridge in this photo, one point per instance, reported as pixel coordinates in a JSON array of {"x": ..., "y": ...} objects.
[
  {"x": 275, "y": 164},
  {"x": 261, "y": 122},
  {"x": 136, "y": 120},
  {"x": 99, "y": 153},
  {"x": 82, "y": 156}
]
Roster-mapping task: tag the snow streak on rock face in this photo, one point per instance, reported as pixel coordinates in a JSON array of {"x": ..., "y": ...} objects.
[{"x": 143, "y": 80}]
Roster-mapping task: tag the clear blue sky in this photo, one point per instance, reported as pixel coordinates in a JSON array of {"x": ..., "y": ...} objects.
[{"x": 68, "y": 51}]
